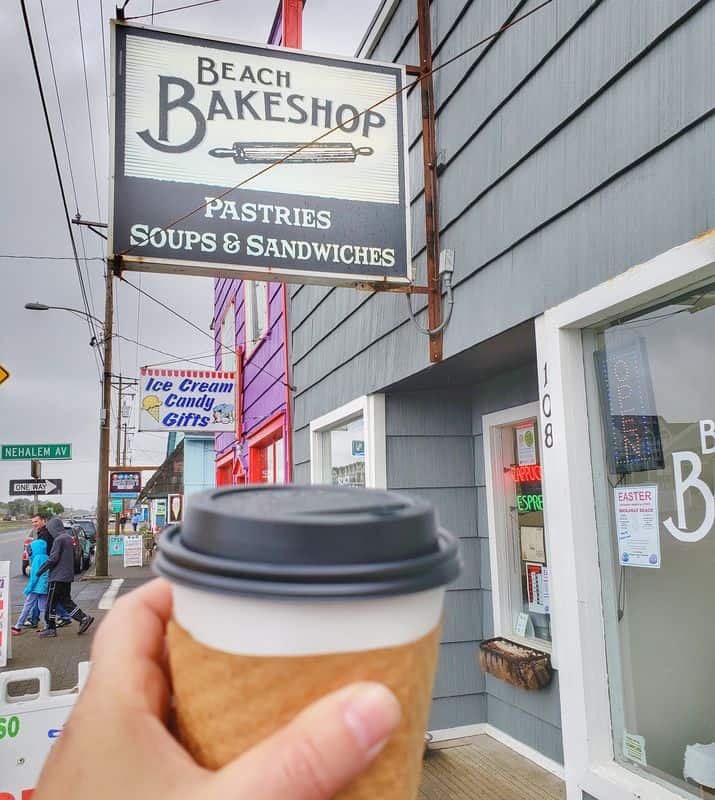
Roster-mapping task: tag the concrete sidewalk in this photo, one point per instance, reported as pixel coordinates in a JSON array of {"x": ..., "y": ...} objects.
[{"x": 95, "y": 595}]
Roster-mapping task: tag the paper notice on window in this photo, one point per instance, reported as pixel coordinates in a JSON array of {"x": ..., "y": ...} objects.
[
  {"x": 526, "y": 443},
  {"x": 537, "y": 587},
  {"x": 634, "y": 748},
  {"x": 636, "y": 510},
  {"x": 532, "y": 544}
]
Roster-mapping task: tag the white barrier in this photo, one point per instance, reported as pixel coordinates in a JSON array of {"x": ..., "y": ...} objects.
[{"x": 29, "y": 726}]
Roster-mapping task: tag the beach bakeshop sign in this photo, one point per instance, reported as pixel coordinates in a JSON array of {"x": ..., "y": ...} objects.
[
  {"x": 201, "y": 401},
  {"x": 195, "y": 117}
]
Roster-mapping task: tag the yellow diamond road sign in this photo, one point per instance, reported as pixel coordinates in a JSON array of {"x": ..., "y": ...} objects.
[{"x": 4, "y": 374}]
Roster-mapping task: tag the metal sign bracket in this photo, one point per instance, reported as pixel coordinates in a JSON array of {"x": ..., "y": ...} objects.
[{"x": 433, "y": 289}]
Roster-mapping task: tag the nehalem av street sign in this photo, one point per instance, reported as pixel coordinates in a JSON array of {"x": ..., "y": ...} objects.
[
  {"x": 26, "y": 452},
  {"x": 194, "y": 117}
]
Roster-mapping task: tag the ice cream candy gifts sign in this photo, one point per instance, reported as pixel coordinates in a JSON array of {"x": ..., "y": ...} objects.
[{"x": 187, "y": 400}]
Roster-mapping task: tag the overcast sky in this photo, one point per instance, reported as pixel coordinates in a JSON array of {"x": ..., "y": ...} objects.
[{"x": 53, "y": 394}]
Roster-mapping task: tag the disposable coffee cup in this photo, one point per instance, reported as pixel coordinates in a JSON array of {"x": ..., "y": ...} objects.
[{"x": 283, "y": 594}]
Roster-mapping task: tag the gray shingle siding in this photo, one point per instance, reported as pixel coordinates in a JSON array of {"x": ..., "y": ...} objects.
[{"x": 576, "y": 144}]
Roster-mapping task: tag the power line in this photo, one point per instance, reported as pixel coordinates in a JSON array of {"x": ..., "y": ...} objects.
[
  {"x": 341, "y": 126},
  {"x": 56, "y": 163},
  {"x": 203, "y": 332},
  {"x": 50, "y": 258},
  {"x": 178, "y": 360},
  {"x": 89, "y": 113},
  {"x": 169, "y": 10},
  {"x": 97, "y": 356}
]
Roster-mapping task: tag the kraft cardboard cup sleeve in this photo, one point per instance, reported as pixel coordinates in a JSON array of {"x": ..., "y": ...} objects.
[{"x": 283, "y": 594}]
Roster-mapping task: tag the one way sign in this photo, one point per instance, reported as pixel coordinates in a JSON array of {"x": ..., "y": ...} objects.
[{"x": 44, "y": 486}]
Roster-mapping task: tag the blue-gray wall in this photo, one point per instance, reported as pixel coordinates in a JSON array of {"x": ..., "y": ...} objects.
[
  {"x": 199, "y": 465},
  {"x": 576, "y": 144},
  {"x": 435, "y": 451},
  {"x": 531, "y": 717},
  {"x": 430, "y": 453},
  {"x": 580, "y": 143}
]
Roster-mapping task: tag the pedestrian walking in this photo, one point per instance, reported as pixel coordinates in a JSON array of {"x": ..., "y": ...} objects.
[
  {"x": 39, "y": 523},
  {"x": 60, "y": 566},
  {"x": 37, "y": 586},
  {"x": 122, "y": 522},
  {"x": 136, "y": 519}
]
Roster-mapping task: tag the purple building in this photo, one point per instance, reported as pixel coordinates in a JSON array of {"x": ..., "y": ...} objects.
[{"x": 250, "y": 334}]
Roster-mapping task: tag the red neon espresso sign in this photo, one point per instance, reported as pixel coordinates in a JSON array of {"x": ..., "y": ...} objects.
[{"x": 526, "y": 473}]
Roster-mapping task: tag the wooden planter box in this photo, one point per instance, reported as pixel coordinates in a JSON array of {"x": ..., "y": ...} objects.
[{"x": 515, "y": 663}]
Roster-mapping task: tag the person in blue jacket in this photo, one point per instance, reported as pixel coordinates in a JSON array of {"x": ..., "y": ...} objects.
[{"x": 37, "y": 586}]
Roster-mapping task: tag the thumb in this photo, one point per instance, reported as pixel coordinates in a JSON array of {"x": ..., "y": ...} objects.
[{"x": 319, "y": 752}]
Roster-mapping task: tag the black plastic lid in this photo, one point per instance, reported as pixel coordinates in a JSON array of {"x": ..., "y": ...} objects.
[{"x": 308, "y": 541}]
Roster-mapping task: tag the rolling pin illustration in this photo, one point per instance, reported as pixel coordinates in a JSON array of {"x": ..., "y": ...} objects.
[{"x": 270, "y": 152}]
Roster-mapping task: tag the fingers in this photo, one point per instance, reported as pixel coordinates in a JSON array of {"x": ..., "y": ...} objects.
[
  {"x": 130, "y": 642},
  {"x": 320, "y": 752}
]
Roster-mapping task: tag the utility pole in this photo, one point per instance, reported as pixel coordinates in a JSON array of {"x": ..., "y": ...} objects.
[
  {"x": 102, "y": 562},
  {"x": 118, "y": 451},
  {"x": 124, "y": 451}
]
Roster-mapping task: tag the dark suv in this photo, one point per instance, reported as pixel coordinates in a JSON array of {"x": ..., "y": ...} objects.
[{"x": 89, "y": 528}]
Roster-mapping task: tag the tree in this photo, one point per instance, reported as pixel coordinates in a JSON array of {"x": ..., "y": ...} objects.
[
  {"x": 48, "y": 507},
  {"x": 22, "y": 507}
]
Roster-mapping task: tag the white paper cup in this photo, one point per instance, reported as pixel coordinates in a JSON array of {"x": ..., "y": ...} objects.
[{"x": 284, "y": 594}]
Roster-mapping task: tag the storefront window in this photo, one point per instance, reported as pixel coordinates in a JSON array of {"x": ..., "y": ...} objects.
[
  {"x": 347, "y": 453},
  {"x": 518, "y": 540},
  {"x": 348, "y": 444},
  {"x": 256, "y": 312},
  {"x": 228, "y": 339},
  {"x": 266, "y": 453},
  {"x": 653, "y": 441}
]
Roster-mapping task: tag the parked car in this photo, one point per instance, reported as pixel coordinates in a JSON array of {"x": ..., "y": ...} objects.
[
  {"x": 29, "y": 538},
  {"x": 83, "y": 548},
  {"x": 89, "y": 528}
]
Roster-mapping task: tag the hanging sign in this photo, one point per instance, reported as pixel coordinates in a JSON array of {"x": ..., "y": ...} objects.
[
  {"x": 194, "y": 117},
  {"x": 176, "y": 508},
  {"x": 630, "y": 420},
  {"x": 636, "y": 510},
  {"x": 202, "y": 401},
  {"x": 125, "y": 484}
]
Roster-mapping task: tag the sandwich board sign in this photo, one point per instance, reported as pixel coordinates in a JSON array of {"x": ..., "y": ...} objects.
[
  {"x": 217, "y": 171},
  {"x": 32, "y": 725}
]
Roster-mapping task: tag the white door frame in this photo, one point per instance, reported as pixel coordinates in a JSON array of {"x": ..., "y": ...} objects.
[
  {"x": 503, "y": 571},
  {"x": 571, "y": 520}
]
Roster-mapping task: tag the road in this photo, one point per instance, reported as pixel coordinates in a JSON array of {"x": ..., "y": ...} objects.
[
  {"x": 11, "y": 550},
  {"x": 62, "y": 654}
]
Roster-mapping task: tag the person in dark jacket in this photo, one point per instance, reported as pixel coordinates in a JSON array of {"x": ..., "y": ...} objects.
[
  {"x": 39, "y": 523},
  {"x": 61, "y": 567}
]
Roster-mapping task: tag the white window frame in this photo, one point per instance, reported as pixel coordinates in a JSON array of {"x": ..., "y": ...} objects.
[
  {"x": 569, "y": 508},
  {"x": 230, "y": 314},
  {"x": 371, "y": 408},
  {"x": 505, "y": 566},
  {"x": 250, "y": 313}
]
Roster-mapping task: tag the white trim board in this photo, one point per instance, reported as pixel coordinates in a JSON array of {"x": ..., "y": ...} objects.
[
  {"x": 502, "y": 571},
  {"x": 371, "y": 408},
  {"x": 486, "y": 729},
  {"x": 570, "y": 514}
]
